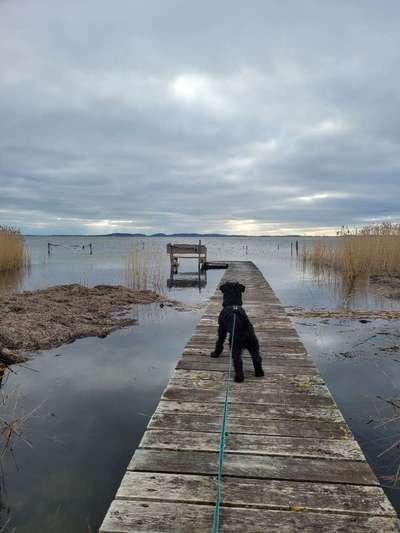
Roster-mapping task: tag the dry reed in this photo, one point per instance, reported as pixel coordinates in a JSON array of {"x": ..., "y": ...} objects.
[
  {"x": 144, "y": 268},
  {"x": 369, "y": 251},
  {"x": 13, "y": 421},
  {"x": 354, "y": 257},
  {"x": 13, "y": 255}
]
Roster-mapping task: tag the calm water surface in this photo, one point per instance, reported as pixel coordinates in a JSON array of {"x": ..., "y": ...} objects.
[{"x": 87, "y": 404}]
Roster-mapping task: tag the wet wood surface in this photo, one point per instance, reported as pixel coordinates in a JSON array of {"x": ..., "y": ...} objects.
[{"x": 291, "y": 462}]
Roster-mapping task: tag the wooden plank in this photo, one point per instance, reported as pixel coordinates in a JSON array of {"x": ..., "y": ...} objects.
[
  {"x": 146, "y": 517},
  {"x": 284, "y": 326},
  {"x": 290, "y": 337},
  {"x": 216, "y": 365},
  {"x": 268, "y": 346},
  {"x": 253, "y": 444},
  {"x": 217, "y": 384},
  {"x": 267, "y": 412},
  {"x": 265, "y": 493},
  {"x": 300, "y": 380},
  {"x": 265, "y": 397},
  {"x": 281, "y": 358},
  {"x": 283, "y": 428},
  {"x": 254, "y": 466}
]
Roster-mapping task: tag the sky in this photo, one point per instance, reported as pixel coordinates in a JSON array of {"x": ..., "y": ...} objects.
[{"x": 258, "y": 117}]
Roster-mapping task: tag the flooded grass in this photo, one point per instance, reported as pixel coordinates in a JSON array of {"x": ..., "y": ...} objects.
[
  {"x": 41, "y": 319},
  {"x": 144, "y": 268},
  {"x": 13, "y": 422},
  {"x": 13, "y": 255},
  {"x": 356, "y": 257}
]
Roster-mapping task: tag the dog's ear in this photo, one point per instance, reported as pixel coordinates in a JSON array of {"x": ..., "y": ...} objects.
[
  {"x": 222, "y": 287},
  {"x": 242, "y": 287}
]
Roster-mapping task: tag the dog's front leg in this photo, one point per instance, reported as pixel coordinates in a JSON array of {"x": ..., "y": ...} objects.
[{"x": 219, "y": 345}]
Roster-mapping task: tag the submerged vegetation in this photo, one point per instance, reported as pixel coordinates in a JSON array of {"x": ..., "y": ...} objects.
[
  {"x": 13, "y": 255},
  {"x": 41, "y": 319},
  {"x": 144, "y": 268},
  {"x": 368, "y": 253}
]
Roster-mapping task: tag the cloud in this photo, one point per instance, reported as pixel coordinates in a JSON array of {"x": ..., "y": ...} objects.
[
  {"x": 321, "y": 196},
  {"x": 184, "y": 116}
]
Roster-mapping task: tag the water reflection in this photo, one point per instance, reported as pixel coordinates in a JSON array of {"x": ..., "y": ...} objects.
[
  {"x": 187, "y": 279},
  {"x": 96, "y": 397},
  {"x": 349, "y": 293},
  {"x": 13, "y": 280}
]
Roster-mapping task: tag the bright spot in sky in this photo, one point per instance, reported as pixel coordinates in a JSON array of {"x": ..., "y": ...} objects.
[
  {"x": 190, "y": 87},
  {"x": 202, "y": 91},
  {"x": 251, "y": 227},
  {"x": 330, "y": 127},
  {"x": 321, "y": 196}
]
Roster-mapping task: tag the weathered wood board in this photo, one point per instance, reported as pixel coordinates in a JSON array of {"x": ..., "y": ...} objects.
[{"x": 291, "y": 462}]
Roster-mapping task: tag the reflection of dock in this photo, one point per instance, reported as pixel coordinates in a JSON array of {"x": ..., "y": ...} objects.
[
  {"x": 190, "y": 279},
  {"x": 291, "y": 463},
  {"x": 187, "y": 279}
]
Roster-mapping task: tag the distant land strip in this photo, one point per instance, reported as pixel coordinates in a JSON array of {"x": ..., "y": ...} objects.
[{"x": 165, "y": 235}]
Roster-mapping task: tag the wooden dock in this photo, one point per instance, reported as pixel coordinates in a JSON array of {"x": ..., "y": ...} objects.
[{"x": 291, "y": 462}]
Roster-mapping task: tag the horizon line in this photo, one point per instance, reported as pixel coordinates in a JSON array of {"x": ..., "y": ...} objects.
[{"x": 161, "y": 235}]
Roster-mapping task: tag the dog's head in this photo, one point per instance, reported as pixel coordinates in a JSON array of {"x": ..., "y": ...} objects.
[{"x": 232, "y": 291}]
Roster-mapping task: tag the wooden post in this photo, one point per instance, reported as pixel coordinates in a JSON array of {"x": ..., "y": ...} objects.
[
  {"x": 48, "y": 248},
  {"x": 297, "y": 247},
  {"x": 199, "y": 277},
  {"x": 169, "y": 249},
  {"x": 199, "y": 251}
]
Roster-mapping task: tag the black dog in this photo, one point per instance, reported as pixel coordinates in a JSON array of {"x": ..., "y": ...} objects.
[{"x": 243, "y": 335}]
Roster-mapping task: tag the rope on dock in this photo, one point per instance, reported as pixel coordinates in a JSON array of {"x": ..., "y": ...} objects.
[{"x": 215, "y": 527}]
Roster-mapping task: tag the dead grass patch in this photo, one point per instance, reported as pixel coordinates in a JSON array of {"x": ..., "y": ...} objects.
[{"x": 13, "y": 255}]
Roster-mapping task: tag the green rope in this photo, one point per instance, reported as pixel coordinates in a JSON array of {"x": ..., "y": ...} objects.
[{"x": 215, "y": 527}]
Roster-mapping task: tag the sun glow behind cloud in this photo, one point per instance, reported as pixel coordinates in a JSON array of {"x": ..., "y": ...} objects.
[
  {"x": 199, "y": 90},
  {"x": 321, "y": 196}
]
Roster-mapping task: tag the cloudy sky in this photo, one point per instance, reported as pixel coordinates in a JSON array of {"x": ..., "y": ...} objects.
[{"x": 258, "y": 117}]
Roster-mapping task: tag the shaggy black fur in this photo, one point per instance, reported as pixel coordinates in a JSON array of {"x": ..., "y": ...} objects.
[{"x": 244, "y": 335}]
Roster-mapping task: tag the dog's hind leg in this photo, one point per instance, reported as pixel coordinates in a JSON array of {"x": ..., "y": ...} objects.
[
  {"x": 237, "y": 363},
  {"x": 219, "y": 345},
  {"x": 253, "y": 347}
]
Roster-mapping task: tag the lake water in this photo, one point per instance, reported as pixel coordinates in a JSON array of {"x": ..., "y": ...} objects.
[{"x": 85, "y": 405}]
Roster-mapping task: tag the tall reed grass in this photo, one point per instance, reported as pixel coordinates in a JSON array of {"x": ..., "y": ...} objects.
[
  {"x": 144, "y": 267},
  {"x": 13, "y": 255},
  {"x": 370, "y": 251}
]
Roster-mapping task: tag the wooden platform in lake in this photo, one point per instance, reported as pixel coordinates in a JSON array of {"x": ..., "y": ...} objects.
[{"x": 291, "y": 463}]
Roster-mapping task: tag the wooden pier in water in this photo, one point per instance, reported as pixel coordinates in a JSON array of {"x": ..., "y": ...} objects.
[
  {"x": 291, "y": 462},
  {"x": 188, "y": 251}
]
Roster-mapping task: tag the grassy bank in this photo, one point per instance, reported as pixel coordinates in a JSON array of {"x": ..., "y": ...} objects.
[
  {"x": 369, "y": 251},
  {"x": 13, "y": 255}
]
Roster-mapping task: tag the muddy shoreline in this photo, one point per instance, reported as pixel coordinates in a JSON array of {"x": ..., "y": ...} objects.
[{"x": 47, "y": 318}]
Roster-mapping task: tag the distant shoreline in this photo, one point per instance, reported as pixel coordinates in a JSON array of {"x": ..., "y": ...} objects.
[{"x": 200, "y": 235}]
